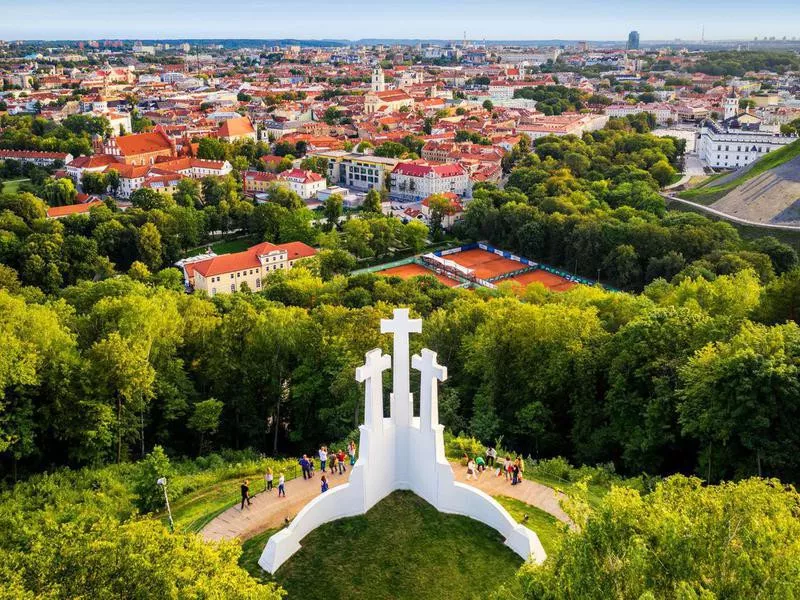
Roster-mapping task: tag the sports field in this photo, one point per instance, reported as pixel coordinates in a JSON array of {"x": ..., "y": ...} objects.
[
  {"x": 485, "y": 265},
  {"x": 551, "y": 281},
  {"x": 482, "y": 268},
  {"x": 414, "y": 270}
]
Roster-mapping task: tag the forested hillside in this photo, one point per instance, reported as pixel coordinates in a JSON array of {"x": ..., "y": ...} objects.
[{"x": 692, "y": 368}]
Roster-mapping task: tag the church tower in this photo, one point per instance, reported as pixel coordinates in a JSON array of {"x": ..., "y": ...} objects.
[
  {"x": 378, "y": 82},
  {"x": 731, "y": 105}
]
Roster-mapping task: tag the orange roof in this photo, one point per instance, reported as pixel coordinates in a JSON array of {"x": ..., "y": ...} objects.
[
  {"x": 56, "y": 212},
  {"x": 248, "y": 259},
  {"x": 235, "y": 127},
  {"x": 142, "y": 143}
]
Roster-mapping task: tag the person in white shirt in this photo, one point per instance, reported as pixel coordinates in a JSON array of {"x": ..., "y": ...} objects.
[
  {"x": 281, "y": 486},
  {"x": 323, "y": 456},
  {"x": 491, "y": 454},
  {"x": 471, "y": 469}
]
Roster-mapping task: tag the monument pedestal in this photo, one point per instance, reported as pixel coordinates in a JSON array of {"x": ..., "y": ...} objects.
[{"x": 400, "y": 452}]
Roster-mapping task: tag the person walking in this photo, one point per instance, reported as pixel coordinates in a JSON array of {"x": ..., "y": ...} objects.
[
  {"x": 323, "y": 457},
  {"x": 324, "y": 484},
  {"x": 351, "y": 450},
  {"x": 491, "y": 454},
  {"x": 306, "y": 467},
  {"x": 340, "y": 461},
  {"x": 281, "y": 486},
  {"x": 268, "y": 479},
  {"x": 471, "y": 469},
  {"x": 245, "y": 493},
  {"x": 332, "y": 463},
  {"x": 507, "y": 468}
]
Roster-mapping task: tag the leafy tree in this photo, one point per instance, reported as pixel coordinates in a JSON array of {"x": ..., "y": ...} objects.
[
  {"x": 372, "y": 202},
  {"x": 149, "y": 495},
  {"x": 333, "y": 211},
  {"x": 683, "y": 540},
  {"x": 148, "y": 243},
  {"x": 205, "y": 418}
]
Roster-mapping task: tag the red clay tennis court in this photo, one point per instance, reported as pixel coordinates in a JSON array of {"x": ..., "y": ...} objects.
[
  {"x": 484, "y": 264},
  {"x": 551, "y": 281},
  {"x": 414, "y": 270}
]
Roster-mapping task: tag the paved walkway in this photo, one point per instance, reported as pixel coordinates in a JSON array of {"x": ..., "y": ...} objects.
[
  {"x": 529, "y": 492},
  {"x": 268, "y": 511},
  {"x": 729, "y": 217}
]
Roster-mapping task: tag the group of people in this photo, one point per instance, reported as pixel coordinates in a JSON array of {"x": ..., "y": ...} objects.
[
  {"x": 268, "y": 487},
  {"x": 512, "y": 470},
  {"x": 335, "y": 461}
]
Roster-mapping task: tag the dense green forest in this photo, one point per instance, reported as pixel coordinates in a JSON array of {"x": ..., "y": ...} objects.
[{"x": 692, "y": 368}]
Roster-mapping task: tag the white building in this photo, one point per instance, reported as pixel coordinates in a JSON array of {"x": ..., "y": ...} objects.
[
  {"x": 305, "y": 184},
  {"x": 360, "y": 172},
  {"x": 734, "y": 143},
  {"x": 415, "y": 181}
]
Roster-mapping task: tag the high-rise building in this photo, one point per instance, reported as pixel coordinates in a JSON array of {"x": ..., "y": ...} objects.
[{"x": 633, "y": 40}]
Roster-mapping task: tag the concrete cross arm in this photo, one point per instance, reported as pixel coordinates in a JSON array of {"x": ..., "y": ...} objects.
[
  {"x": 375, "y": 363},
  {"x": 427, "y": 365},
  {"x": 401, "y": 324}
]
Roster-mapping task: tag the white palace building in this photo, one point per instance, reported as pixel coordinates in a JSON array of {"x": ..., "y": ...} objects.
[{"x": 738, "y": 140}]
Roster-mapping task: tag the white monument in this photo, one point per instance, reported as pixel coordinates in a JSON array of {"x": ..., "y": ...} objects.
[{"x": 400, "y": 452}]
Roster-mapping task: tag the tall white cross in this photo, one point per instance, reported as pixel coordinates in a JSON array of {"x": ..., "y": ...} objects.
[
  {"x": 375, "y": 364},
  {"x": 430, "y": 373},
  {"x": 401, "y": 326}
]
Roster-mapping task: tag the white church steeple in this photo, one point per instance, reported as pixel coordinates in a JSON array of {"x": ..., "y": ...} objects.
[{"x": 378, "y": 82}]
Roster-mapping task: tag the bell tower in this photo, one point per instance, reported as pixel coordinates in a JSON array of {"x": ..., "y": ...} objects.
[
  {"x": 731, "y": 105},
  {"x": 378, "y": 81}
]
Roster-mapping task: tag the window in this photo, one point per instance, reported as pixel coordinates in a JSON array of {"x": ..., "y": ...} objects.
[
  {"x": 233, "y": 287},
  {"x": 232, "y": 275},
  {"x": 213, "y": 291},
  {"x": 258, "y": 282}
]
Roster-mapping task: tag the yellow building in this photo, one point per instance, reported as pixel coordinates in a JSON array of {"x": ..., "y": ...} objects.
[{"x": 227, "y": 273}]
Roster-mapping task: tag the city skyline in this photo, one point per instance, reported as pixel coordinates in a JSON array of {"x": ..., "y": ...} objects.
[{"x": 311, "y": 19}]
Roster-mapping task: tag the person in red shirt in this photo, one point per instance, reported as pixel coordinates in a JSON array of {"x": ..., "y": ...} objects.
[{"x": 340, "y": 456}]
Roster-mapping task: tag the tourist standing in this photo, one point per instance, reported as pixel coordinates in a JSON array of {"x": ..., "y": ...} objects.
[
  {"x": 332, "y": 463},
  {"x": 351, "y": 450},
  {"x": 306, "y": 467},
  {"x": 268, "y": 479},
  {"x": 507, "y": 467},
  {"x": 324, "y": 484},
  {"x": 245, "y": 493},
  {"x": 515, "y": 473},
  {"x": 491, "y": 454},
  {"x": 471, "y": 469},
  {"x": 323, "y": 457},
  {"x": 340, "y": 461},
  {"x": 281, "y": 486}
]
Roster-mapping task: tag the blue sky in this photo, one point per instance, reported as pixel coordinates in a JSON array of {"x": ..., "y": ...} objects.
[{"x": 353, "y": 19}]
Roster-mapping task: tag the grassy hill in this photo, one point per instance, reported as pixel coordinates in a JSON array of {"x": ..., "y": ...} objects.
[
  {"x": 716, "y": 187},
  {"x": 401, "y": 549}
]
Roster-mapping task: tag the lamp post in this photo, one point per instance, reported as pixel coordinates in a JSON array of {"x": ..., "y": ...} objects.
[{"x": 162, "y": 481}]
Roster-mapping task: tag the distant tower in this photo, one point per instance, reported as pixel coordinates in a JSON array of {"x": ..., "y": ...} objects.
[
  {"x": 731, "y": 105},
  {"x": 633, "y": 40},
  {"x": 378, "y": 82}
]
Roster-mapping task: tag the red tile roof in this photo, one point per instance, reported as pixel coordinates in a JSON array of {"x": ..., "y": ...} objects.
[
  {"x": 421, "y": 169},
  {"x": 56, "y": 212},
  {"x": 247, "y": 259},
  {"x": 143, "y": 143},
  {"x": 235, "y": 128}
]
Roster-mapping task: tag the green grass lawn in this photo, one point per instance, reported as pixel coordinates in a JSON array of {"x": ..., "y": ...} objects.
[
  {"x": 595, "y": 493},
  {"x": 11, "y": 187},
  {"x": 708, "y": 193},
  {"x": 401, "y": 549},
  {"x": 195, "y": 510},
  {"x": 549, "y": 529},
  {"x": 225, "y": 246}
]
